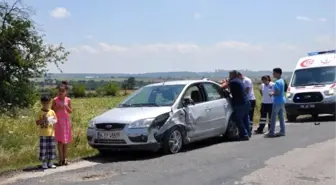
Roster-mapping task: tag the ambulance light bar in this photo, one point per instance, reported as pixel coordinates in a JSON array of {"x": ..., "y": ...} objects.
[{"x": 321, "y": 52}]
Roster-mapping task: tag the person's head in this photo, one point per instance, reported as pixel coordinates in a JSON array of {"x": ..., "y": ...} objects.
[
  {"x": 45, "y": 102},
  {"x": 63, "y": 89},
  {"x": 277, "y": 72},
  {"x": 240, "y": 76},
  {"x": 269, "y": 78},
  {"x": 266, "y": 79},
  {"x": 233, "y": 74}
]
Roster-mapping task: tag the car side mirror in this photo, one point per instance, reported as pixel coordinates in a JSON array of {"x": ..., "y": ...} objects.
[{"x": 187, "y": 101}]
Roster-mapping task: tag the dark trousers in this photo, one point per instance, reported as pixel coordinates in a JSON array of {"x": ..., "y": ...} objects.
[
  {"x": 251, "y": 113},
  {"x": 265, "y": 111},
  {"x": 243, "y": 123}
]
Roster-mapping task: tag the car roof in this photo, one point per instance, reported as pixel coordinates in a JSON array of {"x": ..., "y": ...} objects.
[{"x": 179, "y": 82}]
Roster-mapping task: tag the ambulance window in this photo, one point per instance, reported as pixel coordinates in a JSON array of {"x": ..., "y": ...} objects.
[{"x": 314, "y": 76}]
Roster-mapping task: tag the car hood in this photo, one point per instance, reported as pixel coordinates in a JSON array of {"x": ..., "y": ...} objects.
[{"x": 129, "y": 115}]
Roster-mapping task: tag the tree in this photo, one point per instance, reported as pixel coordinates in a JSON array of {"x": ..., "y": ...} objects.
[
  {"x": 130, "y": 83},
  {"x": 109, "y": 89},
  {"x": 23, "y": 55},
  {"x": 78, "y": 90}
]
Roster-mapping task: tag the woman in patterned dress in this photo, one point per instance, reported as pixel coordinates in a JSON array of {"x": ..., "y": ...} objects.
[{"x": 63, "y": 135}]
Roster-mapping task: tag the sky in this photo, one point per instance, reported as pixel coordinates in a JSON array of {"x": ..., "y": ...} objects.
[{"x": 133, "y": 36}]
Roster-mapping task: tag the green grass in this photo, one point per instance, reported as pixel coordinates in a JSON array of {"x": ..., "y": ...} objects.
[{"x": 19, "y": 136}]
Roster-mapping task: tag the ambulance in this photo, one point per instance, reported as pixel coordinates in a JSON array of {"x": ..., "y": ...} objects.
[{"x": 312, "y": 88}]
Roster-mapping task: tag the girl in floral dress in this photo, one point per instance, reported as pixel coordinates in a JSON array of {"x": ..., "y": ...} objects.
[{"x": 63, "y": 135}]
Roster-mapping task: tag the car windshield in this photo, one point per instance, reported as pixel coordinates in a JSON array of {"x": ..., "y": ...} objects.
[
  {"x": 161, "y": 95},
  {"x": 314, "y": 76}
]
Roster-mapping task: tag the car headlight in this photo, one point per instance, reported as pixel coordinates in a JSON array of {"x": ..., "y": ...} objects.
[
  {"x": 330, "y": 92},
  {"x": 143, "y": 123},
  {"x": 289, "y": 95},
  {"x": 92, "y": 124}
]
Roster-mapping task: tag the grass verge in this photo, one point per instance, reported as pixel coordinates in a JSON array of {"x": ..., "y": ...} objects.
[{"x": 19, "y": 136}]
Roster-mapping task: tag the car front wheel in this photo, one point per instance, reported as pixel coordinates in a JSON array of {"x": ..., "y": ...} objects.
[{"x": 173, "y": 141}]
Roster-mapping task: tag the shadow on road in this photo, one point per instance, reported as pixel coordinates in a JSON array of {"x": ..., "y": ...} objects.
[
  {"x": 114, "y": 156},
  {"x": 323, "y": 118}
]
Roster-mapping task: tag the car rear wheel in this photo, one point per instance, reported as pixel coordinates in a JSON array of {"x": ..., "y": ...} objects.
[
  {"x": 173, "y": 141},
  {"x": 232, "y": 132},
  {"x": 291, "y": 118}
]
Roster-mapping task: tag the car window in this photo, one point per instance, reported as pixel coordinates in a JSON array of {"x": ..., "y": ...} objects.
[
  {"x": 213, "y": 92},
  {"x": 194, "y": 93},
  {"x": 160, "y": 95}
]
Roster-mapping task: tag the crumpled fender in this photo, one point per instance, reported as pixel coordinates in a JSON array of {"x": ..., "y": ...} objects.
[{"x": 181, "y": 117}]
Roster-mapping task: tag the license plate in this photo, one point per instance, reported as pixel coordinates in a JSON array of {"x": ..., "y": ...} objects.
[
  {"x": 108, "y": 135},
  {"x": 307, "y": 106}
]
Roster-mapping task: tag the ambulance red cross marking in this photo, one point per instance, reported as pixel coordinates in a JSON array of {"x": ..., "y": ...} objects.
[{"x": 307, "y": 63}]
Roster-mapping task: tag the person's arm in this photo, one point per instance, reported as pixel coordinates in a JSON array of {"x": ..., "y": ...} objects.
[
  {"x": 260, "y": 89},
  {"x": 248, "y": 85},
  {"x": 53, "y": 105},
  {"x": 225, "y": 84},
  {"x": 39, "y": 119},
  {"x": 69, "y": 107},
  {"x": 276, "y": 91}
]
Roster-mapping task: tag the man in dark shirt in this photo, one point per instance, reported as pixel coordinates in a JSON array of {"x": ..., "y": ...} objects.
[{"x": 240, "y": 104}]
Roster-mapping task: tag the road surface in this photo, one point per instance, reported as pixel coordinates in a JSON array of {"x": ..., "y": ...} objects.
[{"x": 305, "y": 156}]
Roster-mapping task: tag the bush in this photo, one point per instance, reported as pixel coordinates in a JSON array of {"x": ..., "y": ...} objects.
[
  {"x": 109, "y": 89},
  {"x": 78, "y": 90}
]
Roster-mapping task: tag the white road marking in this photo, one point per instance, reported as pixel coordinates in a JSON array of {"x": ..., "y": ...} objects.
[{"x": 313, "y": 165}]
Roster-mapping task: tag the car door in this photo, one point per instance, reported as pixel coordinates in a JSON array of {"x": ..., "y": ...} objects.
[
  {"x": 217, "y": 104},
  {"x": 198, "y": 113}
]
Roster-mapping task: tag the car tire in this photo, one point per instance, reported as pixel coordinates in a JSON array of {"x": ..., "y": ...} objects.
[
  {"x": 291, "y": 118},
  {"x": 173, "y": 141},
  {"x": 232, "y": 132},
  {"x": 314, "y": 117}
]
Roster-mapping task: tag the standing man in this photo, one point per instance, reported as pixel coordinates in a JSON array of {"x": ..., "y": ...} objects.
[
  {"x": 250, "y": 94},
  {"x": 240, "y": 104},
  {"x": 266, "y": 103},
  {"x": 278, "y": 105}
]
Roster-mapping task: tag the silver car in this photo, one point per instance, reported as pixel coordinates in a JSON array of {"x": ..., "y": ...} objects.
[{"x": 165, "y": 116}]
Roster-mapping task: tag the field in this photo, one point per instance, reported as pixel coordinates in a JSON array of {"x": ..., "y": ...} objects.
[{"x": 19, "y": 136}]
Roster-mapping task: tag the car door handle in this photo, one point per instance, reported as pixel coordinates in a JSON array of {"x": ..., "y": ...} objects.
[{"x": 208, "y": 109}]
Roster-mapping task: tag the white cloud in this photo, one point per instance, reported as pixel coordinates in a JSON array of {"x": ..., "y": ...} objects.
[
  {"x": 60, "y": 12},
  {"x": 88, "y": 49},
  {"x": 111, "y": 48},
  {"x": 102, "y": 57},
  {"x": 303, "y": 18},
  {"x": 322, "y": 19},
  {"x": 197, "y": 15}
]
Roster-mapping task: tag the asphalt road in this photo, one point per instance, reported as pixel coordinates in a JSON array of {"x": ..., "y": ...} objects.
[{"x": 306, "y": 155}]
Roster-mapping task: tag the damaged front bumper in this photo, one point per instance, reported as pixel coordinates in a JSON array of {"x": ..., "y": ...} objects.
[{"x": 125, "y": 139}]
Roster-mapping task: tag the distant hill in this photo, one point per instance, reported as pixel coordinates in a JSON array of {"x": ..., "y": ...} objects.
[{"x": 178, "y": 74}]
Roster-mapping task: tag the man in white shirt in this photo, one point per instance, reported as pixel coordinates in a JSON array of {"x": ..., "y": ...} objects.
[
  {"x": 266, "y": 103},
  {"x": 250, "y": 94}
]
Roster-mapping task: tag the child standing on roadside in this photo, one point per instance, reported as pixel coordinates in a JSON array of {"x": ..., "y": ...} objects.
[
  {"x": 46, "y": 118},
  {"x": 63, "y": 135}
]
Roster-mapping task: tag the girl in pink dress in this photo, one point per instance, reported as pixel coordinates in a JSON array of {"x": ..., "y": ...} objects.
[{"x": 62, "y": 107}]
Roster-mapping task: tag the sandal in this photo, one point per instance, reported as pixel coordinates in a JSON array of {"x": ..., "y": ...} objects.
[{"x": 66, "y": 162}]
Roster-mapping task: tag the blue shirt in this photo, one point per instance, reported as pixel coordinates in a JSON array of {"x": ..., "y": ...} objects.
[
  {"x": 239, "y": 97},
  {"x": 280, "y": 87}
]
